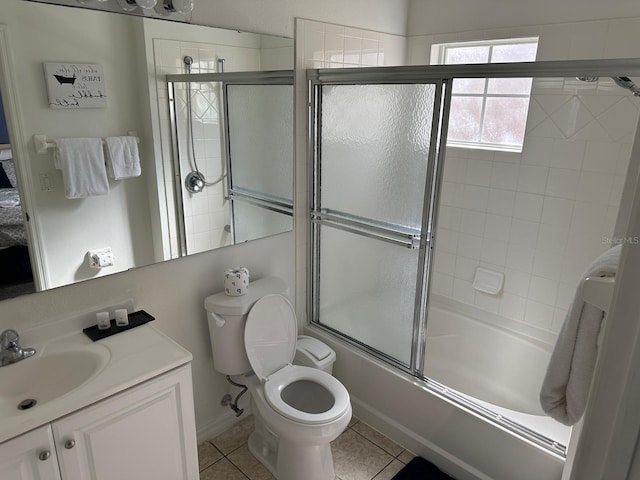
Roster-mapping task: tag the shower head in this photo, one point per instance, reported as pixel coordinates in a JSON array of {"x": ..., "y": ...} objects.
[{"x": 626, "y": 82}]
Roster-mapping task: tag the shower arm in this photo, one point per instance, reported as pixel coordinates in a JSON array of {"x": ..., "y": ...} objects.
[{"x": 624, "y": 82}]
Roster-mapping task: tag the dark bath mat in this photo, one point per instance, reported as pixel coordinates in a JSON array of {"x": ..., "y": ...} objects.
[{"x": 420, "y": 469}]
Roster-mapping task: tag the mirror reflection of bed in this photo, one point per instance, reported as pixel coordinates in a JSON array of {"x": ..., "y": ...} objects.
[{"x": 16, "y": 277}]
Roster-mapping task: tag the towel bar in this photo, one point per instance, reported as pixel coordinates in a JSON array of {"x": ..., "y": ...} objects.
[{"x": 41, "y": 143}]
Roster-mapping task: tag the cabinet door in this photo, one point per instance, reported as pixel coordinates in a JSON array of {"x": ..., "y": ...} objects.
[
  {"x": 147, "y": 432},
  {"x": 31, "y": 456}
]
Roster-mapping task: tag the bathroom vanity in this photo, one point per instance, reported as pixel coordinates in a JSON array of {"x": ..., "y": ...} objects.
[{"x": 124, "y": 412}]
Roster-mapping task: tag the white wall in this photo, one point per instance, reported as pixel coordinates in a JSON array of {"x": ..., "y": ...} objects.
[
  {"x": 69, "y": 228},
  {"x": 276, "y": 17},
  {"x": 276, "y": 53},
  {"x": 433, "y": 17}
]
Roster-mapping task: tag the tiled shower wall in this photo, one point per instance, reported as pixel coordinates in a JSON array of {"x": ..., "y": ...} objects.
[
  {"x": 325, "y": 45},
  {"x": 542, "y": 216}
]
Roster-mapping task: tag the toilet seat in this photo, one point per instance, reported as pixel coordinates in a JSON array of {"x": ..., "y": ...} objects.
[
  {"x": 270, "y": 337},
  {"x": 280, "y": 380}
]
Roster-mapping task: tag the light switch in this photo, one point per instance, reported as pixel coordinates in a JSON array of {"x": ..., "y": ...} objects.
[{"x": 45, "y": 182}]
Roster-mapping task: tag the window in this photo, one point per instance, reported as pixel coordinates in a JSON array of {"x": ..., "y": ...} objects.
[{"x": 488, "y": 113}]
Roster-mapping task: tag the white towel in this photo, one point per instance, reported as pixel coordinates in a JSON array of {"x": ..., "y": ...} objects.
[
  {"x": 123, "y": 160},
  {"x": 565, "y": 388},
  {"x": 82, "y": 163}
]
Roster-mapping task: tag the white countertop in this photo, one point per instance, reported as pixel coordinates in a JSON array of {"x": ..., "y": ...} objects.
[{"x": 128, "y": 358}]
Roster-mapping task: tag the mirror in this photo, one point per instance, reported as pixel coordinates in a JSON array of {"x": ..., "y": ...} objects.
[{"x": 143, "y": 218}]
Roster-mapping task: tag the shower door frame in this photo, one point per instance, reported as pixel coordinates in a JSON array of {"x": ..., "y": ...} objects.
[
  {"x": 266, "y": 77},
  {"x": 316, "y": 78},
  {"x": 421, "y": 241}
]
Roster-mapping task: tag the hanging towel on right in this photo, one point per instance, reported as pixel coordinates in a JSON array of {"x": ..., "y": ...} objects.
[
  {"x": 564, "y": 391},
  {"x": 123, "y": 160}
]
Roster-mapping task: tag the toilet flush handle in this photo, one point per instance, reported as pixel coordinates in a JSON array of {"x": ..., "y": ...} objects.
[{"x": 219, "y": 320}]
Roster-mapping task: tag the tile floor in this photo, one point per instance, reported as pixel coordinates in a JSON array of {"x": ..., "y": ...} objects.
[{"x": 359, "y": 453}]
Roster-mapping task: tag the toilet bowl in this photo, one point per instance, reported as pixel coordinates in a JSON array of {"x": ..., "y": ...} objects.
[
  {"x": 291, "y": 448},
  {"x": 298, "y": 410}
]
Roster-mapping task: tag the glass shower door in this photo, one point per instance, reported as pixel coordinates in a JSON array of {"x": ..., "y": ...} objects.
[
  {"x": 231, "y": 177},
  {"x": 372, "y": 196},
  {"x": 260, "y": 151}
]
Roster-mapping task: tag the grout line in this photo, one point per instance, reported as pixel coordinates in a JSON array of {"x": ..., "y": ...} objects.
[
  {"x": 376, "y": 445},
  {"x": 382, "y": 469},
  {"x": 380, "y": 446},
  {"x": 225, "y": 457}
]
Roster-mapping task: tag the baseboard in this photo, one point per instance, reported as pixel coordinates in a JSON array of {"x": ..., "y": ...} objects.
[
  {"x": 214, "y": 428},
  {"x": 413, "y": 442}
]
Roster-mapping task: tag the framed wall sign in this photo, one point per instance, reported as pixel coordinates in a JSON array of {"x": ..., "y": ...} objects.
[{"x": 75, "y": 85}]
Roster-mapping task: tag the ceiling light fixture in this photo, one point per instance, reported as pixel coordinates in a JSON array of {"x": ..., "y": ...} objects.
[
  {"x": 128, "y": 5},
  {"x": 147, "y": 4},
  {"x": 180, "y": 6}
]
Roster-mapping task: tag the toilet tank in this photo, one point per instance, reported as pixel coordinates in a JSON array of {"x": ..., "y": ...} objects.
[
  {"x": 226, "y": 316},
  {"x": 311, "y": 352}
]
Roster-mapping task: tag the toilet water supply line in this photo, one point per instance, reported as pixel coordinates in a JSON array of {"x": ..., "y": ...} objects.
[{"x": 226, "y": 400}]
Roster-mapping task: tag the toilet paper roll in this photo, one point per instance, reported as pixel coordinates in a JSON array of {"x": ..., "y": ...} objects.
[{"x": 236, "y": 281}]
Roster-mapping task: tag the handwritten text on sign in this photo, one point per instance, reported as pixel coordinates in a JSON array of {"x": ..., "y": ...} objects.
[{"x": 75, "y": 85}]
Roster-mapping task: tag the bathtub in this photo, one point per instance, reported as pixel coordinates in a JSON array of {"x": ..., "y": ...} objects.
[
  {"x": 485, "y": 362},
  {"x": 494, "y": 366},
  {"x": 482, "y": 385}
]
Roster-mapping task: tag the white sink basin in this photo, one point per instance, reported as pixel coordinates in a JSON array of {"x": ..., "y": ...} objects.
[
  {"x": 47, "y": 376},
  {"x": 69, "y": 372}
]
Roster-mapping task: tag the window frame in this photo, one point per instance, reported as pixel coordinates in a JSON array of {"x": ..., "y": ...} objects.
[{"x": 438, "y": 57}]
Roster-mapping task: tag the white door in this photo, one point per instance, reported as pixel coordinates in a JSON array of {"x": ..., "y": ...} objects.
[
  {"x": 31, "y": 456},
  {"x": 147, "y": 432}
]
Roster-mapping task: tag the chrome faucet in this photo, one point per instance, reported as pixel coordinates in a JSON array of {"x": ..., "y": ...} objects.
[{"x": 10, "y": 349}]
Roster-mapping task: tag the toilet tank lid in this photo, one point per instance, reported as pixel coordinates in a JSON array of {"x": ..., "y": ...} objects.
[{"x": 224, "y": 304}]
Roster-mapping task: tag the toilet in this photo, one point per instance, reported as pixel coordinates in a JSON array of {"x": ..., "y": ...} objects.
[{"x": 298, "y": 409}]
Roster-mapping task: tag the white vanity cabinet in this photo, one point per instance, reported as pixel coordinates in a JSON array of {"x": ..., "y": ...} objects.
[
  {"x": 31, "y": 456},
  {"x": 145, "y": 432}
]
